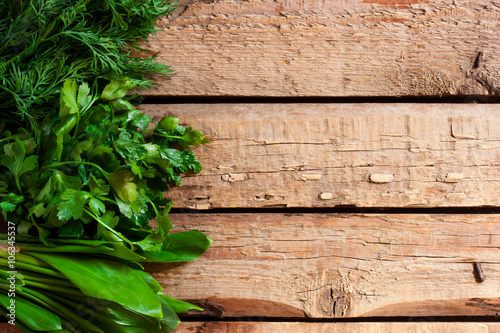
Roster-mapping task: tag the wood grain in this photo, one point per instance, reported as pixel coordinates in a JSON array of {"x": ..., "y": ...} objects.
[
  {"x": 8, "y": 328},
  {"x": 253, "y": 327},
  {"x": 330, "y": 48},
  {"x": 324, "y": 155},
  {"x": 326, "y": 266}
]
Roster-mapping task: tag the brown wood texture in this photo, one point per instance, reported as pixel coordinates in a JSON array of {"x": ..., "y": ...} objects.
[
  {"x": 325, "y": 155},
  {"x": 330, "y": 48},
  {"x": 332, "y": 266},
  {"x": 8, "y": 328},
  {"x": 253, "y": 327},
  {"x": 256, "y": 327}
]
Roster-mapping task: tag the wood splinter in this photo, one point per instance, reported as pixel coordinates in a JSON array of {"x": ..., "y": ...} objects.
[{"x": 478, "y": 272}]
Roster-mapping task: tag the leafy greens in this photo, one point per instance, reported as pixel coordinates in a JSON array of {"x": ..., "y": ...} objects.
[{"x": 98, "y": 172}]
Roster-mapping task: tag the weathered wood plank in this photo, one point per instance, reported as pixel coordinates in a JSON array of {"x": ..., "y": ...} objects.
[
  {"x": 247, "y": 327},
  {"x": 323, "y": 266},
  {"x": 253, "y": 327},
  {"x": 323, "y": 155},
  {"x": 330, "y": 48},
  {"x": 8, "y": 328}
]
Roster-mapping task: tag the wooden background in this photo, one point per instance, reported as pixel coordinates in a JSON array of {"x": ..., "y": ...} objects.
[{"x": 353, "y": 175}]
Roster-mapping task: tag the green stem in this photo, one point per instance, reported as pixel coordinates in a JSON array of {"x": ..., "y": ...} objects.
[
  {"x": 152, "y": 204},
  {"x": 116, "y": 233},
  {"x": 75, "y": 162},
  {"x": 72, "y": 291},
  {"x": 163, "y": 135},
  {"x": 5, "y": 264},
  {"x": 59, "y": 309},
  {"x": 48, "y": 280},
  {"x": 27, "y": 259}
]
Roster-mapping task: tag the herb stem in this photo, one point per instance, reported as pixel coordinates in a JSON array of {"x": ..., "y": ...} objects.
[
  {"x": 31, "y": 268},
  {"x": 163, "y": 135},
  {"x": 95, "y": 217},
  {"x": 75, "y": 162},
  {"x": 72, "y": 291}
]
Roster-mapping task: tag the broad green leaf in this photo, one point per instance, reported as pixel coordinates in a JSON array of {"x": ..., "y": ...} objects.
[
  {"x": 137, "y": 119},
  {"x": 32, "y": 315},
  {"x": 110, "y": 219},
  {"x": 152, "y": 283},
  {"x": 98, "y": 187},
  {"x": 172, "y": 155},
  {"x": 53, "y": 147},
  {"x": 84, "y": 98},
  {"x": 79, "y": 149},
  {"x": 29, "y": 145},
  {"x": 131, "y": 148},
  {"x": 14, "y": 160},
  {"x": 66, "y": 125},
  {"x": 183, "y": 246},
  {"x": 168, "y": 123},
  {"x": 43, "y": 234},
  {"x": 10, "y": 202},
  {"x": 180, "y": 306},
  {"x": 106, "y": 279},
  {"x": 138, "y": 207},
  {"x": 122, "y": 182},
  {"x": 68, "y": 103},
  {"x": 169, "y": 319},
  {"x": 72, "y": 229},
  {"x": 117, "y": 89},
  {"x": 121, "y": 105},
  {"x": 59, "y": 182},
  {"x": 15, "y": 149},
  {"x": 72, "y": 204},
  {"x": 38, "y": 210},
  {"x": 103, "y": 155},
  {"x": 163, "y": 222},
  {"x": 193, "y": 138},
  {"x": 96, "y": 206}
]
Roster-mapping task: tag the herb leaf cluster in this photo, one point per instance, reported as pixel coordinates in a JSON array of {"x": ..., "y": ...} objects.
[
  {"x": 45, "y": 42},
  {"x": 97, "y": 172}
]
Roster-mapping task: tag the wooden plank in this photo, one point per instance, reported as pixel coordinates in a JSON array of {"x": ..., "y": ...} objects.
[
  {"x": 254, "y": 327},
  {"x": 325, "y": 266},
  {"x": 324, "y": 155},
  {"x": 8, "y": 328},
  {"x": 330, "y": 48}
]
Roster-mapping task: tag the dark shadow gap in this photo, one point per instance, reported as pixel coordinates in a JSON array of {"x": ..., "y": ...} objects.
[
  {"x": 295, "y": 99},
  {"x": 342, "y": 210},
  {"x": 345, "y": 320}
]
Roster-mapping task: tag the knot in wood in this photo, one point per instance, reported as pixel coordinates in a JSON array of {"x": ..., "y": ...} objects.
[{"x": 333, "y": 302}]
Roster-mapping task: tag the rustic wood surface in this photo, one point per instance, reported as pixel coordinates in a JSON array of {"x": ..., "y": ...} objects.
[
  {"x": 324, "y": 155},
  {"x": 253, "y": 327},
  {"x": 325, "y": 266},
  {"x": 8, "y": 328},
  {"x": 256, "y": 327},
  {"x": 330, "y": 48}
]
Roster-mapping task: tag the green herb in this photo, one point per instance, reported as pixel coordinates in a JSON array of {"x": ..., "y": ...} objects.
[
  {"x": 45, "y": 42},
  {"x": 95, "y": 177},
  {"x": 97, "y": 172},
  {"x": 83, "y": 172},
  {"x": 60, "y": 292}
]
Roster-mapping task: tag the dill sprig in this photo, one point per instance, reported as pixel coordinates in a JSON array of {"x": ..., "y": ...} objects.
[{"x": 45, "y": 42}]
